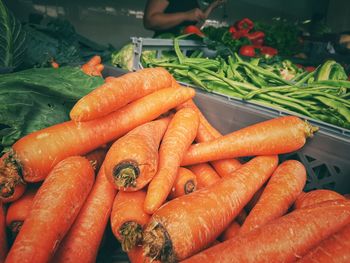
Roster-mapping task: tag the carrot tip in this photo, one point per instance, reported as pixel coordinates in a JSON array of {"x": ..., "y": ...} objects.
[
  {"x": 131, "y": 233},
  {"x": 125, "y": 173},
  {"x": 189, "y": 187},
  {"x": 10, "y": 175},
  {"x": 310, "y": 129},
  {"x": 157, "y": 243}
]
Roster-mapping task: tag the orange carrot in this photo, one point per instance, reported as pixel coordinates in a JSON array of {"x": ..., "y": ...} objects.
[
  {"x": 178, "y": 137},
  {"x": 83, "y": 240},
  {"x": 284, "y": 239},
  {"x": 3, "y": 239},
  {"x": 254, "y": 200},
  {"x": 55, "y": 206},
  {"x": 115, "y": 94},
  {"x": 206, "y": 132},
  {"x": 315, "y": 197},
  {"x": 96, "y": 157},
  {"x": 93, "y": 67},
  {"x": 188, "y": 224},
  {"x": 132, "y": 160},
  {"x": 276, "y": 136},
  {"x": 54, "y": 64},
  {"x": 18, "y": 211},
  {"x": 185, "y": 183},
  {"x": 205, "y": 174},
  {"x": 128, "y": 218},
  {"x": 335, "y": 249},
  {"x": 230, "y": 232},
  {"x": 285, "y": 184},
  {"x": 37, "y": 153}
]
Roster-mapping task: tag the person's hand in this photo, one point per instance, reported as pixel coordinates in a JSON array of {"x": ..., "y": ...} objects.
[{"x": 195, "y": 15}]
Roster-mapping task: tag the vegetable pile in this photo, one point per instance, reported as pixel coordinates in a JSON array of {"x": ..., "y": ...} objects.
[
  {"x": 168, "y": 181},
  {"x": 322, "y": 94}
]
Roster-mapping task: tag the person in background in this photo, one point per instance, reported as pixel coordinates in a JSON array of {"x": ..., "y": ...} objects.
[{"x": 171, "y": 16}]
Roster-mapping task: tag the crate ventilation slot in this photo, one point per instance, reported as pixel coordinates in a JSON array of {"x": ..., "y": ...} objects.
[{"x": 322, "y": 171}]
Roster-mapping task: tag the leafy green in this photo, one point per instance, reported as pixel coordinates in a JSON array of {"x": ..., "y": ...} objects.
[
  {"x": 12, "y": 39},
  {"x": 37, "y": 98},
  {"x": 124, "y": 57}
]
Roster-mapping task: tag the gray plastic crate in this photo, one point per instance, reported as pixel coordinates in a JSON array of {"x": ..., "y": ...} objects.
[{"x": 142, "y": 44}]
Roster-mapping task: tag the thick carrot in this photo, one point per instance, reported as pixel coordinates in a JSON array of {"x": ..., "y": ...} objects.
[
  {"x": 132, "y": 160},
  {"x": 188, "y": 224},
  {"x": 55, "y": 206},
  {"x": 34, "y": 155},
  {"x": 205, "y": 174},
  {"x": 315, "y": 197},
  {"x": 231, "y": 231},
  {"x": 128, "y": 218},
  {"x": 93, "y": 67},
  {"x": 18, "y": 211},
  {"x": 83, "y": 240},
  {"x": 11, "y": 187},
  {"x": 276, "y": 136},
  {"x": 206, "y": 132},
  {"x": 178, "y": 137},
  {"x": 185, "y": 183},
  {"x": 335, "y": 249},
  {"x": 115, "y": 94},
  {"x": 284, "y": 239},
  {"x": 96, "y": 157},
  {"x": 3, "y": 239},
  {"x": 285, "y": 184}
]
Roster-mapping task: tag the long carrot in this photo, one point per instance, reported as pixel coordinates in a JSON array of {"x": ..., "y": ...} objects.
[
  {"x": 115, "y": 94},
  {"x": 335, "y": 249},
  {"x": 128, "y": 218},
  {"x": 185, "y": 183},
  {"x": 206, "y": 132},
  {"x": 185, "y": 225},
  {"x": 11, "y": 188},
  {"x": 83, "y": 240},
  {"x": 276, "y": 136},
  {"x": 178, "y": 137},
  {"x": 18, "y": 211},
  {"x": 136, "y": 255},
  {"x": 315, "y": 197},
  {"x": 3, "y": 239},
  {"x": 55, "y": 206},
  {"x": 284, "y": 239},
  {"x": 285, "y": 184},
  {"x": 96, "y": 157},
  {"x": 34, "y": 155},
  {"x": 205, "y": 174},
  {"x": 132, "y": 160}
]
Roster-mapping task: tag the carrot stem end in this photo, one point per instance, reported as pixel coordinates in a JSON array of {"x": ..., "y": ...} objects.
[
  {"x": 125, "y": 173},
  {"x": 131, "y": 233}
]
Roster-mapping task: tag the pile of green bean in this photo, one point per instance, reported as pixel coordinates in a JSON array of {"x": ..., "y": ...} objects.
[{"x": 322, "y": 94}]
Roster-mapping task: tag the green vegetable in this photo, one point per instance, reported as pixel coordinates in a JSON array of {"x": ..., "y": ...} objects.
[
  {"x": 124, "y": 57},
  {"x": 37, "y": 98},
  {"x": 12, "y": 39}
]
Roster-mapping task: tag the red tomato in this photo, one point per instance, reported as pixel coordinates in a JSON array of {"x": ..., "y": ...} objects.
[
  {"x": 248, "y": 51},
  {"x": 310, "y": 68},
  {"x": 268, "y": 51}
]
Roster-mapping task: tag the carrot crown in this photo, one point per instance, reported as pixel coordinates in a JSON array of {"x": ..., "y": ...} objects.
[
  {"x": 189, "y": 187},
  {"x": 310, "y": 129},
  {"x": 10, "y": 174},
  {"x": 125, "y": 173},
  {"x": 157, "y": 243},
  {"x": 131, "y": 233}
]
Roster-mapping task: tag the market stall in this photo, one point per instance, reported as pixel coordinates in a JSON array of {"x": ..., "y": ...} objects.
[{"x": 224, "y": 143}]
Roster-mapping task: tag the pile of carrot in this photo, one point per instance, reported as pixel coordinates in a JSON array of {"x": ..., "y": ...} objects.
[{"x": 139, "y": 155}]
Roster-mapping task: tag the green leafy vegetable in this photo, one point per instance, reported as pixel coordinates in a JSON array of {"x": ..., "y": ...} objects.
[
  {"x": 37, "y": 98},
  {"x": 12, "y": 39}
]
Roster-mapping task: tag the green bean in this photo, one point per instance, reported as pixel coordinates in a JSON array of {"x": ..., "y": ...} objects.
[
  {"x": 178, "y": 51},
  {"x": 333, "y": 97},
  {"x": 269, "y": 89},
  {"x": 299, "y": 76},
  {"x": 335, "y": 105},
  {"x": 197, "y": 81},
  {"x": 300, "y": 102},
  {"x": 255, "y": 78},
  {"x": 334, "y": 83},
  {"x": 306, "y": 78}
]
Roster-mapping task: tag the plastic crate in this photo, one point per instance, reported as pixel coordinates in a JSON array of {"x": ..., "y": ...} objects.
[
  {"x": 325, "y": 157},
  {"x": 160, "y": 45}
]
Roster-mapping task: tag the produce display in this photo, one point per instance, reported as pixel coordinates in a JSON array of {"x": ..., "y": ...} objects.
[
  {"x": 169, "y": 186},
  {"x": 322, "y": 94}
]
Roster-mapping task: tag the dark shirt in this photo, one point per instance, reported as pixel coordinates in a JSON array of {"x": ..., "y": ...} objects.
[{"x": 176, "y": 6}]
